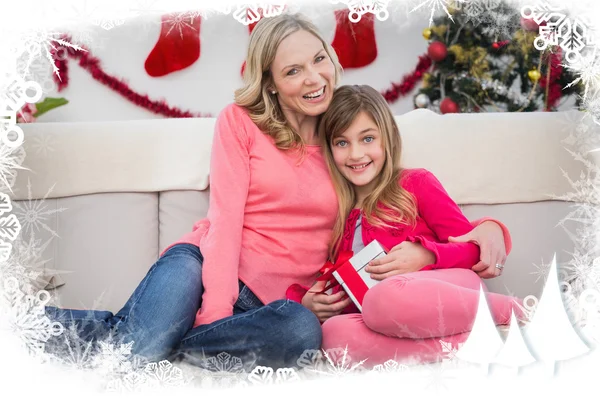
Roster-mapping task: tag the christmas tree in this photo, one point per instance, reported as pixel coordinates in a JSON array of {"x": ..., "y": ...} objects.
[{"x": 488, "y": 62}]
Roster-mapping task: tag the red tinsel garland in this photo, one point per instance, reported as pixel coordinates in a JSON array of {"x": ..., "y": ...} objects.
[
  {"x": 409, "y": 81},
  {"x": 92, "y": 65}
]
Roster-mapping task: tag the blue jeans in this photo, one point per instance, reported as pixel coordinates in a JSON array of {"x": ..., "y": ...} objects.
[{"x": 159, "y": 316}]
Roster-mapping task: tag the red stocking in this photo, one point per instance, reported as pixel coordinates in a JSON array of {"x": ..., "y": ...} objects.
[
  {"x": 353, "y": 42},
  {"x": 178, "y": 46}
]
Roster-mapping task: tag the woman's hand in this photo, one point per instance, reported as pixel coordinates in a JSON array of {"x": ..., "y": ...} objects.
[
  {"x": 325, "y": 306},
  {"x": 490, "y": 239},
  {"x": 402, "y": 258}
]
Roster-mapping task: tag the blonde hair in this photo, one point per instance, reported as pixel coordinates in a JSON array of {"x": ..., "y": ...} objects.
[
  {"x": 388, "y": 203},
  {"x": 263, "y": 107}
]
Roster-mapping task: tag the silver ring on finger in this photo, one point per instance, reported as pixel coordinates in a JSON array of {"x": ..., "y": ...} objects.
[{"x": 500, "y": 266}]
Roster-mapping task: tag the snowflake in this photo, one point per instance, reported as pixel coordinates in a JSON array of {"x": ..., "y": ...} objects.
[
  {"x": 438, "y": 377},
  {"x": 449, "y": 351},
  {"x": 390, "y": 366},
  {"x": 10, "y": 161},
  {"x": 541, "y": 271},
  {"x": 358, "y": 8},
  {"x": 332, "y": 362},
  {"x": 223, "y": 370},
  {"x": 27, "y": 317},
  {"x": 583, "y": 271},
  {"x": 246, "y": 14},
  {"x": 164, "y": 373},
  {"x": 153, "y": 375},
  {"x": 39, "y": 71},
  {"x": 77, "y": 353},
  {"x": 264, "y": 376},
  {"x": 337, "y": 366},
  {"x": 500, "y": 24},
  {"x": 38, "y": 43},
  {"x": 249, "y": 14},
  {"x": 106, "y": 19},
  {"x": 589, "y": 304},
  {"x": 34, "y": 212},
  {"x": 587, "y": 70},
  {"x": 583, "y": 130},
  {"x": 224, "y": 362},
  {"x": 26, "y": 265},
  {"x": 556, "y": 29},
  {"x": 43, "y": 144},
  {"x": 436, "y": 5},
  {"x": 10, "y": 227},
  {"x": 113, "y": 358},
  {"x": 179, "y": 22}
]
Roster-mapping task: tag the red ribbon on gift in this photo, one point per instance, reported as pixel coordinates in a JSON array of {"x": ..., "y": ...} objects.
[{"x": 328, "y": 268}]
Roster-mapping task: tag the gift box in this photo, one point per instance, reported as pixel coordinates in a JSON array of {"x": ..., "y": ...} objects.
[{"x": 352, "y": 275}]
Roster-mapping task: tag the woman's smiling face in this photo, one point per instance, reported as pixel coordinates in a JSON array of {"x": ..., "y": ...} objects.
[{"x": 303, "y": 74}]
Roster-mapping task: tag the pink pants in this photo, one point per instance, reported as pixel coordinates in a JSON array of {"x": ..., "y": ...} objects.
[{"x": 405, "y": 316}]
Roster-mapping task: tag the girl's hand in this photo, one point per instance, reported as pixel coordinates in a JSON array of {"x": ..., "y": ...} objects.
[
  {"x": 490, "y": 239},
  {"x": 325, "y": 306},
  {"x": 402, "y": 258}
]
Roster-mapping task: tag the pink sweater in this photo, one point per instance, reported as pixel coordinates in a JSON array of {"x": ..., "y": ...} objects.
[
  {"x": 438, "y": 217},
  {"x": 269, "y": 220}
]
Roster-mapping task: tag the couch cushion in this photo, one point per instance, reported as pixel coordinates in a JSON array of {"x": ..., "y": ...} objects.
[
  {"x": 487, "y": 158},
  {"x": 536, "y": 236},
  {"x": 493, "y": 158},
  {"x": 107, "y": 243},
  {"x": 178, "y": 211},
  {"x": 142, "y": 156}
]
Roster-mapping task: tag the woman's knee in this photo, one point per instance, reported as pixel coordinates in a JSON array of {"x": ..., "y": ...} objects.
[
  {"x": 184, "y": 262},
  {"x": 299, "y": 329}
]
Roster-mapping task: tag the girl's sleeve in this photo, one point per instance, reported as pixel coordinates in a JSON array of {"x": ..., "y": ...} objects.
[
  {"x": 221, "y": 245},
  {"x": 444, "y": 218}
]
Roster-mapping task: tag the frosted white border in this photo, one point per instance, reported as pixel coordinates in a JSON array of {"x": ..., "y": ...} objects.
[{"x": 24, "y": 375}]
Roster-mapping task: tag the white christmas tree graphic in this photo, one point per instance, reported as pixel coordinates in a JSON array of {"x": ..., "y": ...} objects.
[
  {"x": 547, "y": 338},
  {"x": 484, "y": 342},
  {"x": 514, "y": 353},
  {"x": 550, "y": 335}
]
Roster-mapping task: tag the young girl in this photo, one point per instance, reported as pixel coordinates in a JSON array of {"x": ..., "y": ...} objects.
[{"x": 428, "y": 291}]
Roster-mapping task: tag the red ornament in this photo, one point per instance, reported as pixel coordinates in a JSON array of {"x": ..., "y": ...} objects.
[
  {"x": 529, "y": 25},
  {"x": 354, "y": 42},
  {"x": 178, "y": 45},
  {"x": 437, "y": 51},
  {"x": 499, "y": 45},
  {"x": 448, "y": 106}
]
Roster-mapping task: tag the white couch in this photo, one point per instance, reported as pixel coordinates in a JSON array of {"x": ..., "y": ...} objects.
[{"x": 123, "y": 191}]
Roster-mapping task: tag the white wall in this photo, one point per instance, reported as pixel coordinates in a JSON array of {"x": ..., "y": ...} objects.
[{"x": 208, "y": 85}]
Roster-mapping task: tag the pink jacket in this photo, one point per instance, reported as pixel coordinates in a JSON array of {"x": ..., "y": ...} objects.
[{"x": 438, "y": 218}]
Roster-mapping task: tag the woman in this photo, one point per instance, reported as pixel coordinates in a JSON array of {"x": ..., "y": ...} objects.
[{"x": 271, "y": 213}]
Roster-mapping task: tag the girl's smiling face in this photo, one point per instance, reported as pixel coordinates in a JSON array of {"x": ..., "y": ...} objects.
[{"x": 358, "y": 153}]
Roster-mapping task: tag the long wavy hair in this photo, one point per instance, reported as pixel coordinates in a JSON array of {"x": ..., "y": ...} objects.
[
  {"x": 388, "y": 203},
  {"x": 263, "y": 107}
]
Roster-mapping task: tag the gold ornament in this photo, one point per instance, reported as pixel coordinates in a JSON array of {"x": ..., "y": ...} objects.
[
  {"x": 440, "y": 30},
  {"x": 534, "y": 75},
  {"x": 426, "y": 33},
  {"x": 426, "y": 79},
  {"x": 474, "y": 58}
]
